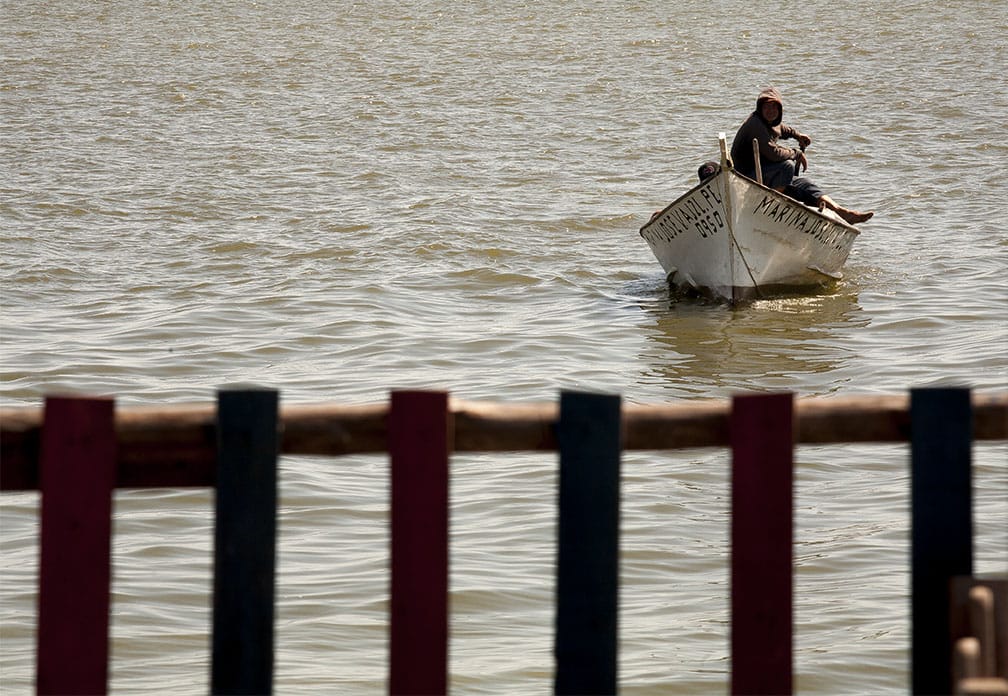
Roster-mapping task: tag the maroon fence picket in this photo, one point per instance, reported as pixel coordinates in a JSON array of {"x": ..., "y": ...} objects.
[
  {"x": 419, "y": 444},
  {"x": 77, "y": 472},
  {"x": 762, "y": 443}
]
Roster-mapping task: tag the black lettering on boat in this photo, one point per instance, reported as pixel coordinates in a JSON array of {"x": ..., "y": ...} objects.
[
  {"x": 670, "y": 230},
  {"x": 674, "y": 227},
  {"x": 763, "y": 204},
  {"x": 715, "y": 194},
  {"x": 711, "y": 196},
  {"x": 709, "y": 225},
  {"x": 706, "y": 227}
]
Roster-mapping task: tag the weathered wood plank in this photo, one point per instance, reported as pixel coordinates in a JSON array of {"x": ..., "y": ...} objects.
[{"x": 175, "y": 446}]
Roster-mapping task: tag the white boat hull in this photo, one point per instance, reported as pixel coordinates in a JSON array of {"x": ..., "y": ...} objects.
[{"x": 733, "y": 239}]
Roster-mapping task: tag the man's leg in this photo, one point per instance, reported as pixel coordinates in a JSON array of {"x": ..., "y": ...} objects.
[
  {"x": 804, "y": 191},
  {"x": 778, "y": 175}
]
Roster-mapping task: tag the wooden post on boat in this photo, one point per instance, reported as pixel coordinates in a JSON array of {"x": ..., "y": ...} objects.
[
  {"x": 979, "y": 623},
  {"x": 756, "y": 161}
]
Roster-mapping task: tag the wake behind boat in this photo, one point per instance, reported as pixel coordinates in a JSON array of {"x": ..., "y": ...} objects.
[{"x": 731, "y": 238}]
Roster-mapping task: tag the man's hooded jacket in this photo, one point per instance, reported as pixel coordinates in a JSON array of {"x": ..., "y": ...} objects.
[{"x": 766, "y": 133}]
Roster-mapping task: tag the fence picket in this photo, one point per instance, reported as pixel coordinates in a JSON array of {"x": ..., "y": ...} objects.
[
  {"x": 419, "y": 437},
  {"x": 245, "y": 542},
  {"x": 588, "y": 546},
  {"x": 762, "y": 442},
  {"x": 942, "y": 526},
  {"x": 77, "y": 472}
]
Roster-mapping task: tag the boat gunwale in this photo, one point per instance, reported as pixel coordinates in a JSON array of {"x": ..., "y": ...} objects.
[{"x": 732, "y": 171}]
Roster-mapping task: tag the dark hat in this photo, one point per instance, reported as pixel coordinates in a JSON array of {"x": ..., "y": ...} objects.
[{"x": 707, "y": 170}]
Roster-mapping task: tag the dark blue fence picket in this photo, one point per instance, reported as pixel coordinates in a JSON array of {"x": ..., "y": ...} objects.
[
  {"x": 588, "y": 437},
  {"x": 942, "y": 525},
  {"x": 245, "y": 542}
]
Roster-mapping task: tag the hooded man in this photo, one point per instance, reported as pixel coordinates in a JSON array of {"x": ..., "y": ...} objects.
[{"x": 780, "y": 164}]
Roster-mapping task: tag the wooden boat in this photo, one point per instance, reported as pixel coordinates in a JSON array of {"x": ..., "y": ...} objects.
[{"x": 731, "y": 238}]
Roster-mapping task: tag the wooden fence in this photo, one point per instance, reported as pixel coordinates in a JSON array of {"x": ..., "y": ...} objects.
[{"x": 77, "y": 450}]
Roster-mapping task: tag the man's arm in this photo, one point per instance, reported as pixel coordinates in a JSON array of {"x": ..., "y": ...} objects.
[{"x": 803, "y": 140}]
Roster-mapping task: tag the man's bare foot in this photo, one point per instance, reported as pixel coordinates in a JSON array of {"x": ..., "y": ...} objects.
[{"x": 853, "y": 217}]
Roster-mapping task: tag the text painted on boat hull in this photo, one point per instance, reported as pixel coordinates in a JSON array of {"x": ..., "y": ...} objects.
[
  {"x": 700, "y": 213},
  {"x": 823, "y": 231}
]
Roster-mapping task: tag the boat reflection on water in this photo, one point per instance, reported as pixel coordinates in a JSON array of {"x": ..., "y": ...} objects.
[{"x": 788, "y": 343}]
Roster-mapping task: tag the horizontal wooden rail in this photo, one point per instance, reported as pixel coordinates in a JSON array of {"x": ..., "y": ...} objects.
[{"x": 176, "y": 445}]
